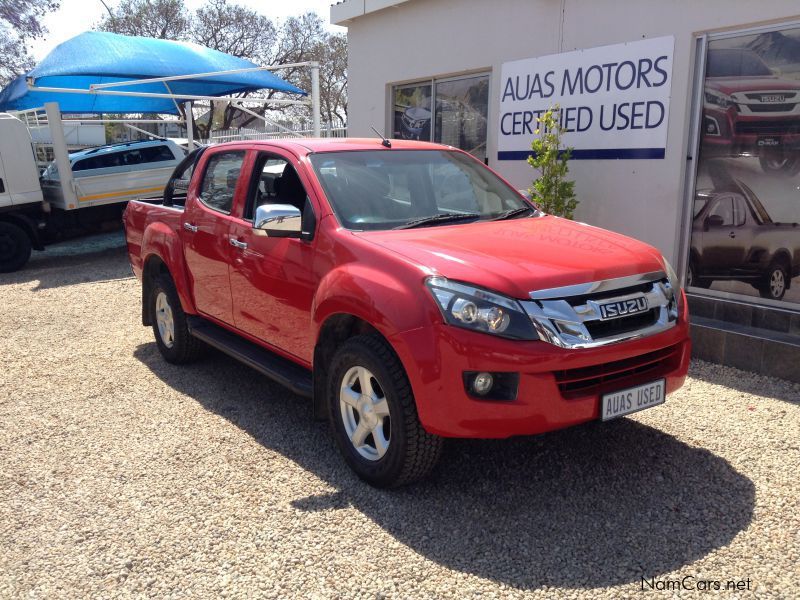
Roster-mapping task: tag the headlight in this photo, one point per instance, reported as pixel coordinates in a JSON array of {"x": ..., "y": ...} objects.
[
  {"x": 718, "y": 99},
  {"x": 675, "y": 288},
  {"x": 480, "y": 310}
]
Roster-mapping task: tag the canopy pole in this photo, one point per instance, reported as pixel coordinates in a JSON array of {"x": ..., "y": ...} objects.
[
  {"x": 189, "y": 125},
  {"x": 61, "y": 154},
  {"x": 315, "y": 104}
]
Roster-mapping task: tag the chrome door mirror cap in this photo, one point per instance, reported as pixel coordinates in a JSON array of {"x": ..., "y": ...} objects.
[{"x": 278, "y": 220}]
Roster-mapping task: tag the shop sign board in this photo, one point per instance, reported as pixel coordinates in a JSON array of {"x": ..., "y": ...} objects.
[{"x": 614, "y": 100}]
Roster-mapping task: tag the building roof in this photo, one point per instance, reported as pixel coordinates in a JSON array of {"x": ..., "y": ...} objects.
[{"x": 347, "y": 10}]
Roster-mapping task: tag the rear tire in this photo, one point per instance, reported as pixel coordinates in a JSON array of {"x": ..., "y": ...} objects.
[
  {"x": 374, "y": 416},
  {"x": 775, "y": 282},
  {"x": 176, "y": 344},
  {"x": 15, "y": 247},
  {"x": 692, "y": 280}
]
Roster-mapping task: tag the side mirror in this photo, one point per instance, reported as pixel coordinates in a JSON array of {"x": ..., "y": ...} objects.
[
  {"x": 278, "y": 220},
  {"x": 181, "y": 185},
  {"x": 713, "y": 221}
]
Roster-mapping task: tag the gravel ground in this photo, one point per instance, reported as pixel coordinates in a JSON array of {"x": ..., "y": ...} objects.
[{"x": 121, "y": 475}]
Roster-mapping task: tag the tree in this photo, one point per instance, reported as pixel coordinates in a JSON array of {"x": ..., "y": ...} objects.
[
  {"x": 163, "y": 19},
  {"x": 551, "y": 191},
  {"x": 20, "y": 23}
]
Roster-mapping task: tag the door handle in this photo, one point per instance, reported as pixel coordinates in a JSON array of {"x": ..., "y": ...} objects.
[
  {"x": 190, "y": 227},
  {"x": 238, "y": 244},
  {"x": 732, "y": 234}
]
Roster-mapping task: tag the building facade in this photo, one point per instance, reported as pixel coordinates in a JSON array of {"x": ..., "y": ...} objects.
[{"x": 684, "y": 116}]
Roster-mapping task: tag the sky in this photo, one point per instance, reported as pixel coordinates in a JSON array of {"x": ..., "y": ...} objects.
[{"x": 77, "y": 16}]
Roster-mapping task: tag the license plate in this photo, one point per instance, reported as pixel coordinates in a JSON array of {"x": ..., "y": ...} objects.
[
  {"x": 768, "y": 142},
  {"x": 625, "y": 402}
]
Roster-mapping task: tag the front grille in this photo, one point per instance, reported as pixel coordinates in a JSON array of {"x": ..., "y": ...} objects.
[
  {"x": 575, "y": 316},
  {"x": 597, "y": 379},
  {"x": 767, "y": 127},
  {"x": 759, "y": 95},
  {"x": 604, "y": 329},
  {"x": 763, "y": 108}
]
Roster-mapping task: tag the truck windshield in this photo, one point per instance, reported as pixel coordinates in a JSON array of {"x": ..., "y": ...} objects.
[
  {"x": 735, "y": 62},
  {"x": 373, "y": 190}
]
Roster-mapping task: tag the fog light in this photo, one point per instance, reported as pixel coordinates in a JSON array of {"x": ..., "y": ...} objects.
[
  {"x": 483, "y": 383},
  {"x": 498, "y": 385}
]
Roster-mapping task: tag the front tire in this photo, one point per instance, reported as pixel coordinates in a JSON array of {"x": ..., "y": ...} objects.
[
  {"x": 374, "y": 416},
  {"x": 775, "y": 282},
  {"x": 176, "y": 344},
  {"x": 780, "y": 163},
  {"x": 15, "y": 247}
]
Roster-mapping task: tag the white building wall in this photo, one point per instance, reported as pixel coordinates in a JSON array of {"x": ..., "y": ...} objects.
[{"x": 419, "y": 39}]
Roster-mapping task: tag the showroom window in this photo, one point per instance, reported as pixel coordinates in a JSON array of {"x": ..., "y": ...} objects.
[
  {"x": 745, "y": 226},
  {"x": 449, "y": 111}
]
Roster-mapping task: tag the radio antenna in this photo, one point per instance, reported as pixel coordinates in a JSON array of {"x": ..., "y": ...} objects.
[{"x": 385, "y": 141}]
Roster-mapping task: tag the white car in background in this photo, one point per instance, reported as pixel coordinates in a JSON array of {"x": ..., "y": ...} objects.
[{"x": 117, "y": 172}]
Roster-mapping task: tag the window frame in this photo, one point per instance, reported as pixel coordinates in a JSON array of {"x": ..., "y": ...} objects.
[
  {"x": 206, "y": 166},
  {"x": 433, "y": 82}
]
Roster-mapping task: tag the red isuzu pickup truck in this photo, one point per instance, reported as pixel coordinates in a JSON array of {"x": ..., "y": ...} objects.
[{"x": 408, "y": 290}]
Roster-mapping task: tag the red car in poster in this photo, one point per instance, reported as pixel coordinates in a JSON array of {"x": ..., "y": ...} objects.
[{"x": 749, "y": 110}]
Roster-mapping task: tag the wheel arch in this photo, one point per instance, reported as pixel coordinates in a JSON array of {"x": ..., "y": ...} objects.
[
  {"x": 333, "y": 332},
  {"x": 27, "y": 225},
  {"x": 784, "y": 256}
]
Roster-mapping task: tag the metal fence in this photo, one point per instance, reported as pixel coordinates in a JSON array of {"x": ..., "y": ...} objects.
[{"x": 272, "y": 132}]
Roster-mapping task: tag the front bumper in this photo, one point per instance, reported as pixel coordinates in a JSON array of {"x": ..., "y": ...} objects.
[
  {"x": 557, "y": 387},
  {"x": 730, "y": 133}
]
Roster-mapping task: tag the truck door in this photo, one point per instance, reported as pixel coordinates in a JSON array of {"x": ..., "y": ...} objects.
[
  {"x": 272, "y": 279},
  {"x": 206, "y": 229},
  {"x": 721, "y": 250}
]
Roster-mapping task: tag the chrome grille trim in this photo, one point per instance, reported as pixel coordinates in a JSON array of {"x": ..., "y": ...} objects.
[
  {"x": 564, "y": 324},
  {"x": 597, "y": 287}
]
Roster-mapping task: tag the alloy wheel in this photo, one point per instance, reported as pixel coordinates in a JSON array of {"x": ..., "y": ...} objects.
[
  {"x": 777, "y": 283},
  {"x": 365, "y": 413},
  {"x": 165, "y": 320}
]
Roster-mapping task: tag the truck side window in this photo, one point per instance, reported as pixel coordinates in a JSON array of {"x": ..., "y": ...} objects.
[
  {"x": 275, "y": 181},
  {"x": 723, "y": 208},
  {"x": 220, "y": 179},
  {"x": 738, "y": 211}
]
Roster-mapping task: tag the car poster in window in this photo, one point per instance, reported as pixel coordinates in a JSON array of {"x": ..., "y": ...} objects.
[
  {"x": 412, "y": 112},
  {"x": 745, "y": 232}
]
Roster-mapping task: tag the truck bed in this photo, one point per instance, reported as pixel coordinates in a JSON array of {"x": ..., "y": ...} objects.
[{"x": 138, "y": 216}]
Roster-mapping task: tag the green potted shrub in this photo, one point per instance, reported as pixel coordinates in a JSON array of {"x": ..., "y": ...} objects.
[{"x": 551, "y": 190}]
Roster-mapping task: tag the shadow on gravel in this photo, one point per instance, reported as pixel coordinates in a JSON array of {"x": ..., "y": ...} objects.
[
  {"x": 58, "y": 270},
  {"x": 587, "y": 507}
]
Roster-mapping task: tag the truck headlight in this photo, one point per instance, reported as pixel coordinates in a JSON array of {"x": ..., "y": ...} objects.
[
  {"x": 477, "y": 309},
  {"x": 719, "y": 99},
  {"x": 675, "y": 287}
]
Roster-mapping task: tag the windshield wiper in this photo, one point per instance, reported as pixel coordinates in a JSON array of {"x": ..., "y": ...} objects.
[
  {"x": 510, "y": 214},
  {"x": 440, "y": 218}
]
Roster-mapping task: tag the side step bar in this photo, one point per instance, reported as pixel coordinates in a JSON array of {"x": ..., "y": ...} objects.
[{"x": 277, "y": 368}]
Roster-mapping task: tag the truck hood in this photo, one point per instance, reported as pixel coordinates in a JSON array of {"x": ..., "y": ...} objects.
[
  {"x": 518, "y": 256},
  {"x": 731, "y": 85}
]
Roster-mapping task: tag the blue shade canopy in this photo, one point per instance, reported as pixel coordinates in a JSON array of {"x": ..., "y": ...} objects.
[{"x": 100, "y": 57}]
